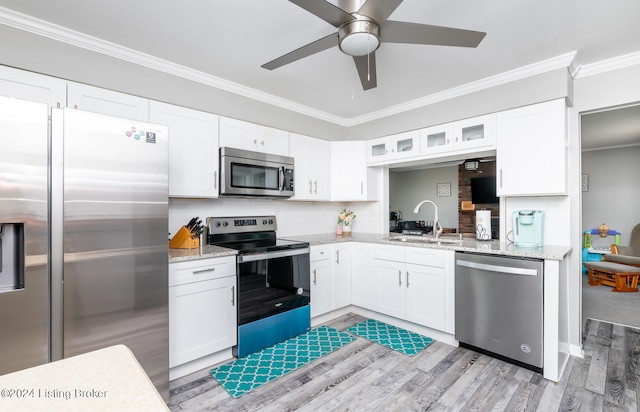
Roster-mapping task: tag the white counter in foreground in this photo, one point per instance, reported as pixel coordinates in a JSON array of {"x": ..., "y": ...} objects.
[{"x": 109, "y": 379}]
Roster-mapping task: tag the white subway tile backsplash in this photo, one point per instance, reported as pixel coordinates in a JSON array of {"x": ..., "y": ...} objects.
[
  {"x": 556, "y": 216},
  {"x": 294, "y": 218}
]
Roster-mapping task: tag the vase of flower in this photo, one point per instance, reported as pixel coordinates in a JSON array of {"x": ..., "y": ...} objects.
[{"x": 345, "y": 218}]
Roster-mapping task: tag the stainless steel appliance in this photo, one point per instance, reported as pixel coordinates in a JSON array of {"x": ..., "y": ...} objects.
[
  {"x": 499, "y": 307},
  {"x": 273, "y": 280},
  {"x": 528, "y": 228},
  {"x": 85, "y": 200},
  {"x": 247, "y": 173}
]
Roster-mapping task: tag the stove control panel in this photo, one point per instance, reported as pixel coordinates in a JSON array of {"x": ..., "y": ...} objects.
[{"x": 241, "y": 224}]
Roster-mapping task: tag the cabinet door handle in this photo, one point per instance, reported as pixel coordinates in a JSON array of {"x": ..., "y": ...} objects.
[
  {"x": 314, "y": 277},
  {"x": 233, "y": 295},
  {"x": 500, "y": 177},
  {"x": 215, "y": 180},
  {"x": 337, "y": 257},
  {"x": 361, "y": 188},
  {"x": 399, "y": 278},
  {"x": 255, "y": 141},
  {"x": 315, "y": 187},
  {"x": 407, "y": 279},
  {"x": 262, "y": 142},
  {"x": 310, "y": 192},
  {"x": 197, "y": 272}
]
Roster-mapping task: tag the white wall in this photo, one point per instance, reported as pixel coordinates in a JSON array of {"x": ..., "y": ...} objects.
[
  {"x": 614, "y": 190},
  {"x": 408, "y": 188},
  {"x": 557, "y": 229},
  {"x": 294, "y": 218}
]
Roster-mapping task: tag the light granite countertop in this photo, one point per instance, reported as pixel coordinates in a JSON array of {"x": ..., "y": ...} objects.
[
  {"x": 109, "y": 379},
  {"x": 204, "y": 252},
  {"x": 492, "y": 247}
]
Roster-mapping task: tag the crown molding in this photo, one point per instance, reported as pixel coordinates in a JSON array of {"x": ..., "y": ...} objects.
[
  {"x": 55, "y": 32},
  {"x": 52, "y": 31},
  {"x": 603, "y": 66},
  {"x": 564, "y": 60}
]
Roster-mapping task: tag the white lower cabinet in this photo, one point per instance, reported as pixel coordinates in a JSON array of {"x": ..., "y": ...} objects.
[
  {"x": 413, "y": 286},
  {"x": 341, "y": 275},
  {"x": 321, "y": 282},
  {"x": 361, "y": 276},
  {"x": 388, "y": 291},
  {"x": 202, "y": 308}
]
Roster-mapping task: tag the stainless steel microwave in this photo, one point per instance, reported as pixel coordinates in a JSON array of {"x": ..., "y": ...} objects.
[{"x": 248, "y": 173}]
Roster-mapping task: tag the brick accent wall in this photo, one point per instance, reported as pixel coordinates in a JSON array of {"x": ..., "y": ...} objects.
[{"x": 467, "y": 219}]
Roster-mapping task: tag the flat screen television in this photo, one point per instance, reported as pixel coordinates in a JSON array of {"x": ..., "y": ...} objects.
[{"x": 483, "y": 190}]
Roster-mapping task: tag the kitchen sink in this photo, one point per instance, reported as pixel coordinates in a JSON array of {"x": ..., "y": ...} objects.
[{"x": 424, "y": 239}]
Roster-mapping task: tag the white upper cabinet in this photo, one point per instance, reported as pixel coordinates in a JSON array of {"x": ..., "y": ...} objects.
[
  {"x": 193, "y": 150},
  {"x": 33, "y": 87},
  {"x": 462, "y": 136},
  {"x": 474, "y": 133},
  {"x": 312, "y": 175},
  {"x": 397, "y": 146},
  {"x": 97, "y": 100},
  {"x": 532, "y": 151},
  {"x": 272, "y": 140},
  {"x": 348, "y": 171},
  {"x": 249, "y": 136},
  {"x": 436, "y": 139}
]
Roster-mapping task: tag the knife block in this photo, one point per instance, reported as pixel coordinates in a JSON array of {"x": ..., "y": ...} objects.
[{"x": 183, "y": 240}]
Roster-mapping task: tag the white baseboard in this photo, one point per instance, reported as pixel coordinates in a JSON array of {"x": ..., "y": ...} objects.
[{"x": 199, "y": 364}]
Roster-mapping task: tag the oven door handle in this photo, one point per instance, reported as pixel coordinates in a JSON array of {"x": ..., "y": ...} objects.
[{"x": 252, "y": 257}]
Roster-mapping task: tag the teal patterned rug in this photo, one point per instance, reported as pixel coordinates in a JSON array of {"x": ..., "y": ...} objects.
[
  {"x": 251, "y": 372},
  {"x": 400, "y": 340}
]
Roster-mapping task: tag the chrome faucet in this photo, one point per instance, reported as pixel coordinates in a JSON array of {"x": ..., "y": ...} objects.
[{"x": 437, "y": 227}]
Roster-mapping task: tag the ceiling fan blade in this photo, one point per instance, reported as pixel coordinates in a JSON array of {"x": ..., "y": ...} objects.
[
  {"x": 304, "y": 51},
  {"x": 402, "y": 32},
  {"x": 325, "y": 10},
  {"x": 379, "y": 10},
  {"x": 366, "y": 66}
]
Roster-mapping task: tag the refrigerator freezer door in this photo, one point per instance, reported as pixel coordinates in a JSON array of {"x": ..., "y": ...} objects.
[
  {"x": 23, "y": 203},
  {"x": 115, "y": 239}
]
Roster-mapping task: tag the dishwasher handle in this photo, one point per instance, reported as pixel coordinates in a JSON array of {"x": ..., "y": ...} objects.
[{"x": 497, "y": 268}]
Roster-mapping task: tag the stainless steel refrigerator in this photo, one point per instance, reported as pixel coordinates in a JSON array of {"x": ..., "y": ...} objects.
[{"x": 83, "y": 234}]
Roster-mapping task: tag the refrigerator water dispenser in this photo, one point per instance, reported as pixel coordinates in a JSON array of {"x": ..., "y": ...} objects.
[{"x": 11, "y": 256}]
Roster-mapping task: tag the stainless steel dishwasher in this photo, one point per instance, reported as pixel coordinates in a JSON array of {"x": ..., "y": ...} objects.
[{"x": 499, "y": 307}]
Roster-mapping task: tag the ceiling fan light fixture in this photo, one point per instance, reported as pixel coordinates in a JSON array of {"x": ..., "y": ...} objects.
[{"x": 359, "y": 37}]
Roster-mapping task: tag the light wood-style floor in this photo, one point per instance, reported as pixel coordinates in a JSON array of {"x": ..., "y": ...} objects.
[{"x": 363, "y": 376}]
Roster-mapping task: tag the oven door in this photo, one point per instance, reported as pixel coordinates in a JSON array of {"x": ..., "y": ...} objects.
[
  {"x": 270, "y": 283},
  {"x": 245, "y": 173}
]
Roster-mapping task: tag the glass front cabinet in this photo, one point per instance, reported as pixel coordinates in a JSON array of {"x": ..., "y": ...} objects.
[
  {"x": 476, "y": 132},
  {"x": 397, "y": 146}
]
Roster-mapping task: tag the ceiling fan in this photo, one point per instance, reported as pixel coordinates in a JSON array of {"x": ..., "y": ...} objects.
[{"x": 362, "y": 26}]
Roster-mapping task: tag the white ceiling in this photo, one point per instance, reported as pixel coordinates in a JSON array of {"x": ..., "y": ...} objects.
[
  {"x": 618, "y": 127},
  {"x": 230, "y": 40}
]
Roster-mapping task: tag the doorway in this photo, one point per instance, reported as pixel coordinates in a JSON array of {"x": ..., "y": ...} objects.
[{"x": 610, "y": 141}]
